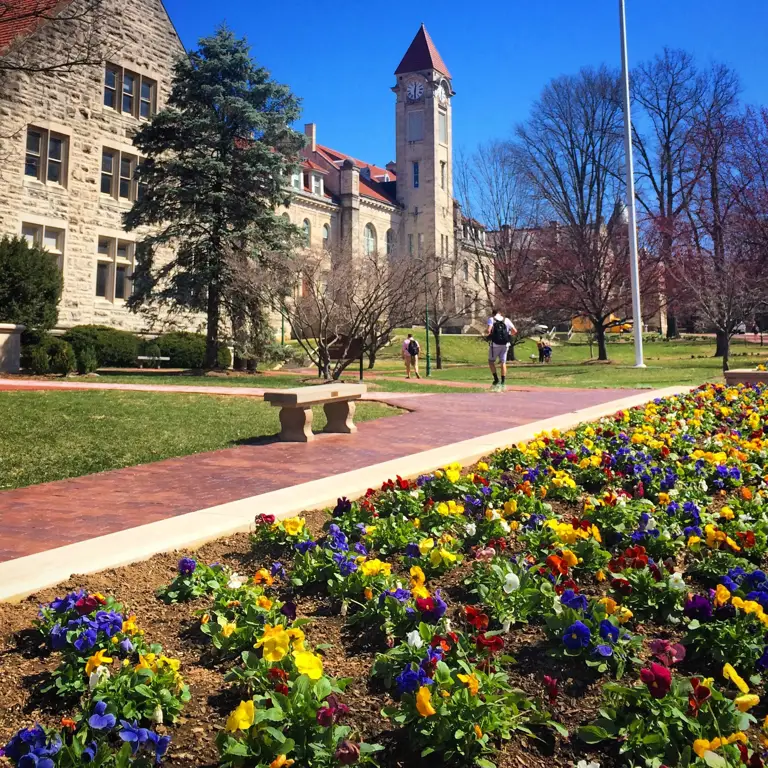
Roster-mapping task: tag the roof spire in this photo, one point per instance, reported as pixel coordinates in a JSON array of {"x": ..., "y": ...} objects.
[{"x": 422, "y": 54}]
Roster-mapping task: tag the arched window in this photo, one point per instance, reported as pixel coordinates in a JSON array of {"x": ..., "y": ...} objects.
[
  {"x": 390, "y": 242},
  {"x": 369, "y": 239},
  {"x": 466, "y": 270},
  {"x": 307, "y": 232},
  {"x": 477, "y": 273},
  {"x": 326, "y": 237}
]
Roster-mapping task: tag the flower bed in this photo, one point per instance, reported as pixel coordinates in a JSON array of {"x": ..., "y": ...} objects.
[{"x": 592, "y": 597}]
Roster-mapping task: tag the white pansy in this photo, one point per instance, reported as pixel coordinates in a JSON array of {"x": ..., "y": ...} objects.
[
  {"x": 96, "y": 676},
  {"x": 511, "y": 583},
  {"x": 157, "y": 715},
  {"x": 676, "y": 582},
  {"x": 703, "y": 485},
  {"x": 585, "y": 764},
  {"x": 236, "y": 581},
  {"x": 506, "y": 624},
  {"x": 495, "y": 515},
  {"x": 414, "y": 639},
  {"x": 447, "y": 625},
  {"x": 415, "y": 494},
  {"x": 471, "y": 529},
  {"x": 504, "y": 526}
]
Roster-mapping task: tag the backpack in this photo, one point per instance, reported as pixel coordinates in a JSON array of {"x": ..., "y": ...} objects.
[
  {"x": 499, "y": 332},
  {"x": 413, "y": 348}
]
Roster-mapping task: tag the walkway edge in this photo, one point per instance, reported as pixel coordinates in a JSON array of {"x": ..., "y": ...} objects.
[{"x": 24, "y": 576}]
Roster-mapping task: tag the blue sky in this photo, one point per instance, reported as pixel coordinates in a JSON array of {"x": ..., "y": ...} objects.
[{"x": 340, "y": 57}]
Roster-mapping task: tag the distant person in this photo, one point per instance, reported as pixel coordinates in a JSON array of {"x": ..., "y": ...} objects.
[
  {"x": 500, "y": 333},
  {"x": 547, "y": 351},
  {"x": 540, "y": 346},
  {"x": 411, "y": 351}
]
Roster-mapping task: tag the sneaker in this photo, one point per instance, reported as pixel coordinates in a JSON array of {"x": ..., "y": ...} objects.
[
  {"x": 502, "y": 388},
  {"x": 495, "y": 387}
]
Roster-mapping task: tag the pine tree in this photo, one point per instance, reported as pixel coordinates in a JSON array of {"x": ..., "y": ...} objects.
[{"x": 216, "y": 161}]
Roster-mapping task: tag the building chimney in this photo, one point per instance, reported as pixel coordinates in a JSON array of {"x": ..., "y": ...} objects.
[
  {"x": 310, "y": 130},
  {"x": 391, "y": 166}
]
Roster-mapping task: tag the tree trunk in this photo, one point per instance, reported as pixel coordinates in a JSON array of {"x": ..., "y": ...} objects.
[
  {"x": 212, "y": 330},
  {"x": 371, "y": 358},
  {"x": 511, "y": 354},
  {"x": 238, "y": 363},
  {"x": 602, "y": 349},
  {"x": 726, "y": 352},
  {"x": 438, "y": 353},
  {"x": 672, "y": 332},
  {"x": 721, "y": 347}
]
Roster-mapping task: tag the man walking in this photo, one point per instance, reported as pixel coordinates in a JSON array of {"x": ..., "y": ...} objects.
[
  {"x": 500, "y": 331},
  {"x": 411, "y": 351}
]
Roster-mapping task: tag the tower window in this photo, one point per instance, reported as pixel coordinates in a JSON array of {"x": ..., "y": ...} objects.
[
  {"x": 421, "y": 244},
  {"x": 307, "y": 232},
  {"x": 390, "y": 242},
  {"x": 326, "y": 237},
  {"x": 465, "y": 270},
  {"x": 442, "y": 127},
  {"x": 410, "y": 245},
  {"x": 442, "y": 174},
  {"x": 415, "y": 175}
]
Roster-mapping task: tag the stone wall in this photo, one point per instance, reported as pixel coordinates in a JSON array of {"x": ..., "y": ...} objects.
[{"x": 139, "y": 37}]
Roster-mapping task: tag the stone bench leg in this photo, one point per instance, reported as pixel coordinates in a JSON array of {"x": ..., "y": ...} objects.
[
  {"x": 296, "y": 425},
  {"x": 340, "y": 417}
]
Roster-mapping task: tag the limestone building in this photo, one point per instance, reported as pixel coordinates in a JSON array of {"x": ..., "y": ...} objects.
[{"x": 67, "y": 161}]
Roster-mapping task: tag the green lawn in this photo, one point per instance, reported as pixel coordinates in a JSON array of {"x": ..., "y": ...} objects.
[{"x": 52, "y": 435}]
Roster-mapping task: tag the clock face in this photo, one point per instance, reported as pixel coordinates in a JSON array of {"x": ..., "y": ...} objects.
[
  {"x": 442, "y": 93},
  {"x": 415, "y": 90}
]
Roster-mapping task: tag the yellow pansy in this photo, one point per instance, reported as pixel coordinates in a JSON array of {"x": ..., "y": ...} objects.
[
  {"x": 482, "y": 466},
  {"x": 129, "y": 626},
  {"x": 439, "y": 556},
  {"x": 727, "y": 513},
  {"x": 570, "y": 558},
  {"x": 510, "y": 507},
  {"x": 375, "y": 567},
  {"x": 453, "y": 472},
  {"x": 623, "y": 614},
  {"x": 146, "y": 662},
  {"x": 610, "y": 605},
  {"x": 274, "y": 642},
  {"x": 241, "y": 718},
  {"x": 293, "y": 525},
  {"x": 296, "y": 637},
  {"x": 722, "y": 595},
  {"x": 309, "y": 664},
  {"x": 425, "y": 545},
  {"x": 746, "y": 701},
  {"x": 729, "y": 673},
  {"x": 472, "y": 683},
  {"x": 281, "y": 761},
  {"x": 98, "y": 658},
  {"x": 424, "y": 702},
  {"x": 264, "y": 602},
  {"x": 228, "y": 629}
]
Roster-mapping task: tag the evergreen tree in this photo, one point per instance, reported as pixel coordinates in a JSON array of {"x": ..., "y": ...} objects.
[{"x": 216, "y": 161}]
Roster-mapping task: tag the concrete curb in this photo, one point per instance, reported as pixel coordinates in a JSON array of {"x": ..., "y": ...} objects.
[{"x": 22, "y": 577}]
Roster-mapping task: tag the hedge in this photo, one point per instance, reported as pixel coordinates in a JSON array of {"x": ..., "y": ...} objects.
[{"x": 111, "y": 347}]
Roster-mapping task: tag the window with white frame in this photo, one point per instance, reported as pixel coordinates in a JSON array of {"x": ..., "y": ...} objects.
[
  {"x": 46, "y": 156},
  {"x": 129, "y": 93},
  {"x": 114, "y": 268},
  {"x": 442, "y": 174},
  {"x": 118, "y": 175},
  {"x": 49, "y": 238},
  {"x": 369, "y": 240},
  {"x": 317, "y": 184},
  {"x": 326, "y": 237},
  {"x": 296, "y": 180},
  {"x": 307, "y": 228},
  {"x": 390, "y": 242}
]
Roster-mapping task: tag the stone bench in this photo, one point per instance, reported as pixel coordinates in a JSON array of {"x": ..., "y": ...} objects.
[
  {"x": 152, "y": 359},
  {"x": 296, "y": 409},
  {"x": 748, "y": 376}
]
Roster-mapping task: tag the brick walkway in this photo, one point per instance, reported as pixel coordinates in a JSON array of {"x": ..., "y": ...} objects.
[{"x": 51, "y": 515}]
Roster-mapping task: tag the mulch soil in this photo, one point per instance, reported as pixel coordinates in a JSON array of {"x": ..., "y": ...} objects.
[{"x": 26, "y": 665}]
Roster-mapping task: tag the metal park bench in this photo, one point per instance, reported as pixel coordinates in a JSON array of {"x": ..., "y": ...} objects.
[
  {"x": 153, "y": 359},
  {"x": 337, "y": 399}
]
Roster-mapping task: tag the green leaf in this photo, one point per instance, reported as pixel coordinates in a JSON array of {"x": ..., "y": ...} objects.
[
  {"x": 592, "y": 734},
  {"x": 275, "y": 734},
  {"x": 481, "y": 762},
  {"x": 714, "y": 760},
  {"x": 458, "y": 734}
]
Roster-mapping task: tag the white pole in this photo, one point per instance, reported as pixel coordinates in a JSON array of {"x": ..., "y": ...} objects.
[{"x": 637, "y": 317}]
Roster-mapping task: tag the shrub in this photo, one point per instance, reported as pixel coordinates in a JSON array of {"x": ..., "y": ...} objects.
[
  {"x": 187, "y": 350},
  {"x": 87, "y": 362},
  {"x": 63, "y": 358},
  {"x": 110, "y": 346},
  {"x": 30, "y": 284},
  {"x": 39, "y": 362}
]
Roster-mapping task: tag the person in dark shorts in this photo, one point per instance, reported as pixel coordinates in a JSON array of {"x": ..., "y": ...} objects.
[{"x": 500, "y": 331}]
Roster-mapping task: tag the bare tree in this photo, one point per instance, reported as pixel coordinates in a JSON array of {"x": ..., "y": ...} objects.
[
  {"x": 79, "y": 38},
  {"x": 450, "y": 295},
  {"x": 337, "y": 298},
  {"x": 668, "y": 91},
  {"x": 501, "y": 228},
  {"x": 572, "y": 150},
  {"x": 723, "y": 265}
]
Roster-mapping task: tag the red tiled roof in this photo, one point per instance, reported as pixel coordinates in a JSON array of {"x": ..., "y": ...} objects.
[
  {"x": 422, "y": 54},
  {"x": 21, "y": 17},
  {"x": 313, "y": 166},
  {"x": 375, "y": 187}
]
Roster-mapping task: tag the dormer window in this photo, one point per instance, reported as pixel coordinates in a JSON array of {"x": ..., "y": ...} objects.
[
  {"x": 296, "y": 180},
  {"x": 317, "y": 184}
]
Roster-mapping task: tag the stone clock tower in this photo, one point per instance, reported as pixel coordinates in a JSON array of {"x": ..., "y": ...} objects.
[{"x": 424, "y": 156}]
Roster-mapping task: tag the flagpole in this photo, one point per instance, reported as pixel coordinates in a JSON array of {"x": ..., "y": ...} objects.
[{"x": 634, "y": 271}]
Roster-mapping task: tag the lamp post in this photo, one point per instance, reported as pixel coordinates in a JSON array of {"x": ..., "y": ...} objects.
[
  {"x": 426, "y": 323},
  {"x": 634, "y": 270}
]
